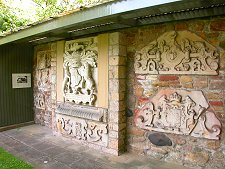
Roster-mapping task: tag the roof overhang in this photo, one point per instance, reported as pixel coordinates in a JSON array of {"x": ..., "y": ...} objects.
[{"x": 115, "y": 15}]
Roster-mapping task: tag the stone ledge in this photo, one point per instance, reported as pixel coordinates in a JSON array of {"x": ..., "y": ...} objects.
[{"x": 86, "y": 112}]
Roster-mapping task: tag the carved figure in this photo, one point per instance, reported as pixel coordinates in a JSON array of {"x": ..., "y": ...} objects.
[
  {"x": 79, "y": 69},
  {"x": 179, "y": 52},
  {"x": 179, "y": 112}
]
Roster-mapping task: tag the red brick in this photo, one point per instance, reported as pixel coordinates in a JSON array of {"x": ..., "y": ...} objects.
[
  {"x": 168, "y": 78},
  {"x": 218, "y": 25},
  {"x": 217, "y": 85},
  {"x": 216, "y": 103},
  {"x": 181, "y": 26},
  {"x": 212, "y": 35}
]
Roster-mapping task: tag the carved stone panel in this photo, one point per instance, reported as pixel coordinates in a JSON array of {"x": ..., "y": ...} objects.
[
  {"x": 179, "y": 112},
  {"x": 177, "y": 52},
  {"x": 208, "y": 126},
  {"x": 80, "y": 71},
  {"x": 94, "y": 132},
  {"x": 86, "y": 112},
  {"x": 43, "y": 59},
  {"x": 43, "y": 79},
  {"x": 39, "y": 99}
]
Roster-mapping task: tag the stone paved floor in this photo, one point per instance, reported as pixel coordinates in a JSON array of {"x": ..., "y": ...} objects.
[{"x": 38, "y": 146}]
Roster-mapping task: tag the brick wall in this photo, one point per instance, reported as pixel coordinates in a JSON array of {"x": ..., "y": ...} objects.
[{"x": 185, "y": 150}]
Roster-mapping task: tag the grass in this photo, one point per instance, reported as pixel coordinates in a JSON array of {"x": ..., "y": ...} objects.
[{"x": 8, "y": 161}]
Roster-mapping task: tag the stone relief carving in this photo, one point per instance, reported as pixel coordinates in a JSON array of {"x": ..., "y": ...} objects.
[
  {"x": 80, "y": 71},
  {"x": 177, "y": 52},
  {"x": 208, "y": 126},
  {"x": 39, "y": 100},
  {"x": 179, "y": 112},
  {"x": 43, "y": 80},
  {"x": 43, "y": 59},
  {"x": 81, "y": 129},
  {"x": 86, "y": 112}
]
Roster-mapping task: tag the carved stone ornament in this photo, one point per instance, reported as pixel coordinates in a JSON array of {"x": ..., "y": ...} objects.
[
  {"x": 80, "y": 71},
  {"x": 80, "y": 129},
  {"x": 43, "y": 80},
  {"x": 39, "y": 100},
  {"x": 86, "y": 112},
  {"x": 179, "y": 112},
  {"x": 177, "y": 52},
  {"x": 43, "y": 59}
]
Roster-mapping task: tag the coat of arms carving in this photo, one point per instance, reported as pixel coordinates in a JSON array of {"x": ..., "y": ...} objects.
[
  {"x": 80, "y": 71},
  {"x": 179, "y": 112}
]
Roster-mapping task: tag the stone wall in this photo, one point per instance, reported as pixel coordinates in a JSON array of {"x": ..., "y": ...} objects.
[
  {"x": 129, "y": 92},
  {"x": 183, "y": 149},
  {"x": 44, "y": 79},
  {"x": 100, "y": 124},
  {"x": 117, "y": 88}
]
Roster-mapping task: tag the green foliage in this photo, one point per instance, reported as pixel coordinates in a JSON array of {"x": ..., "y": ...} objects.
[
  {"x": 8, "y": 161},
  {"x": 11, "y": 18}
]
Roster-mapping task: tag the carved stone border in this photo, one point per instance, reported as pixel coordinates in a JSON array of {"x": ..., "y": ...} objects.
[{"x": 86, "y": 112}]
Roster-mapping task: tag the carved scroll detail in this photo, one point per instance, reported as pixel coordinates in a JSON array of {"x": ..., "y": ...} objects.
[
  {"x": 86, "y": 112},
  {"x": 178, "y": 112},
  {"x": 179, "y": 52},
  {"x": 81, "y": 129},
  {"x": 208, "y": 126},
  {"x": 80, "y": 67}
]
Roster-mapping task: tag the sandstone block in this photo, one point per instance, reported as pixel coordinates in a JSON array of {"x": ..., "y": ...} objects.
[
  {"x": 217, "y": 85},
  {"x": 135, "y": 131},
  {"x": 117, "y": 60},
  {"x": 200, "y": 82},
  {"x": 198, "y": 158},
  {"x": 117, "y": 72},
  {"x": 186, "y": 79}
]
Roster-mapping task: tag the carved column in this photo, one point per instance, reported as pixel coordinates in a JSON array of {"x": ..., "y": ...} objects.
[{"x": 117, "y": 87}]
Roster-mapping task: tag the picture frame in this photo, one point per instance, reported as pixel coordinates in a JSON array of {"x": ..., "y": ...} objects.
[{"x": 21, "y": 80}]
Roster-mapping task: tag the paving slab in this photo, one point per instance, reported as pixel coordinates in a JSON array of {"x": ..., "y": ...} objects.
[{"x": 38, "y": 146}]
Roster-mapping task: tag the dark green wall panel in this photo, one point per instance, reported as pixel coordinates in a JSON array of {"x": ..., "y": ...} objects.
[{"x": 16, "y": 105}]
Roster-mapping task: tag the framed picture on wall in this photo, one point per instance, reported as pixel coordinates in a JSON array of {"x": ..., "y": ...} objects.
[{"x": 21, "y": 80}]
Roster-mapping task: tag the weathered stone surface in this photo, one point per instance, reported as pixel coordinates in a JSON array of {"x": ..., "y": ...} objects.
[
  {"x": 159, "y": 113},
  {"x": 86, "y": 112},
  {"x": 94, "y": 132},
  {"x": 217, "y": 85},
  {"x": 218, "y": 25},
  {"x": 156, "y": 155},
  {"x": 159, "y": 139},
  {"x": 186, "y": 79},
  {"x": 213, "y": 145},
  {"x": 208, "y": 126},
  {"x": 174, "y": 157},
  {"x": 177, "y": 52},
  {"x": 80, "y": 67},
  {"x": 198, "y": 158}
]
